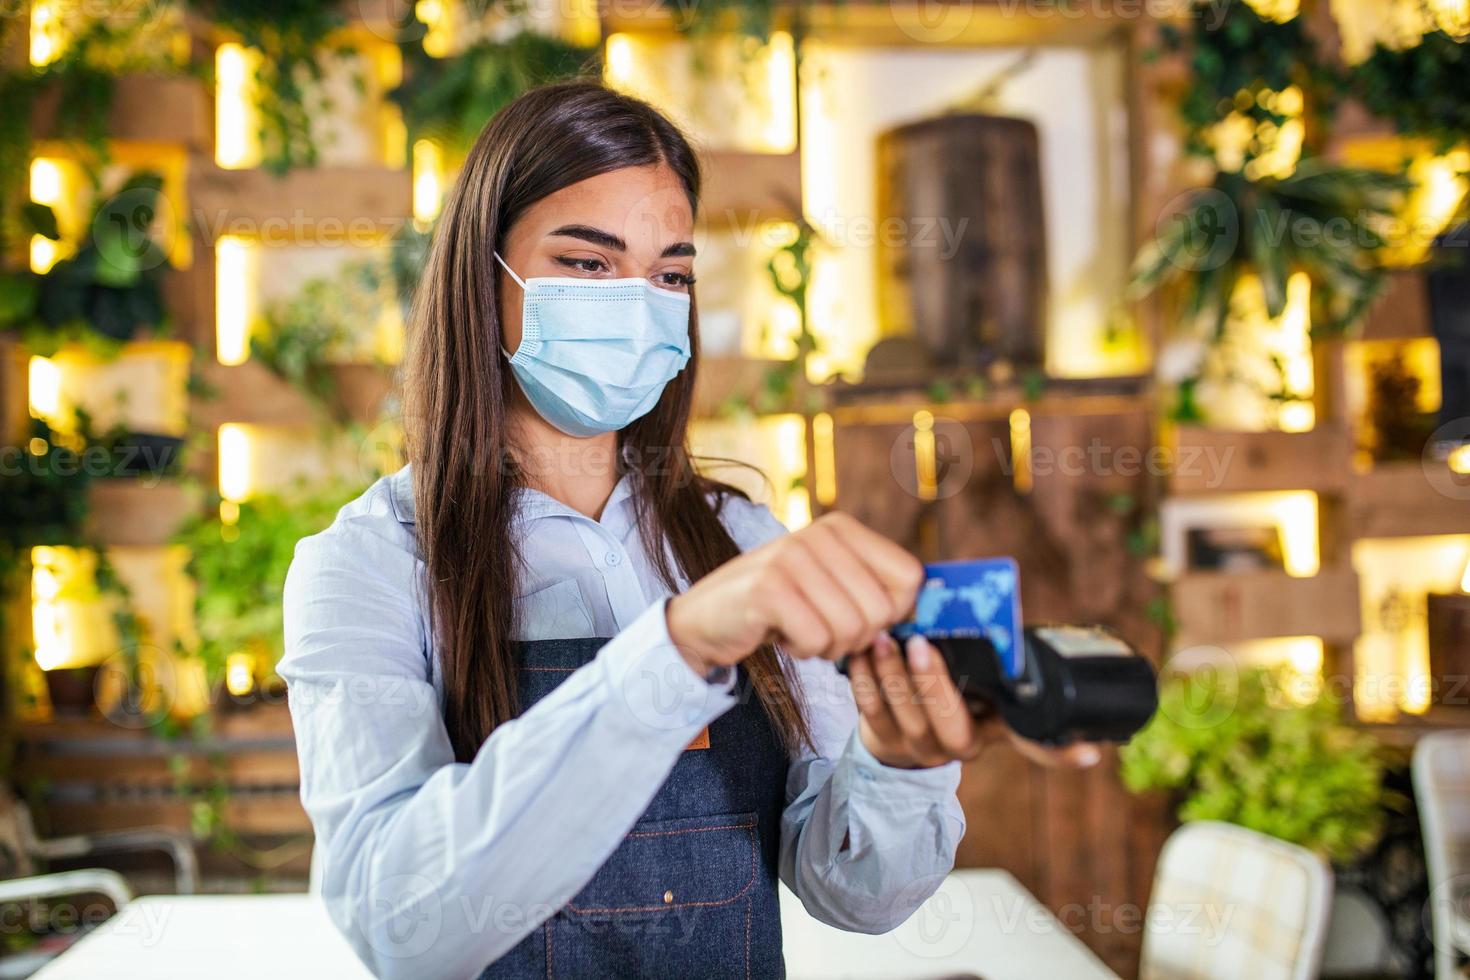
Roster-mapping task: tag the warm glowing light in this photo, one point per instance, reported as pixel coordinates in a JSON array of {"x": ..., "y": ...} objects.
[
  {"x": 825, "y": 459},
  {"x": 1021, "y": 450},
  {"x": 1292, "y": 512},
  {"x": 1440, "y": 185},
  {"x": 778, "y": 64},
  {"x": 619, "y": 68},
  {"x": 48, "y": 187},
  {"x": 43, "y": 254},
  {"x": 1296, "y": 516},
  {"x": 1450, "y": 16},
  {"x": 234, "y": 272},
  {"x": 439, "y": 38},
  {"x": 1391, "y": 655},
  {"x": 1267, "y": 355},
  {"x": 1459, "y": 459},
  {"x": 47, "y": 40},
  {"x": 46, "y": 181},
  {"x": 1279, "y": 11},
  {"x": 925, "y": 467},
  {"x": 1261, "y": 148},
  {"x": 44, "y": 382},
  {"x": 582, "y": 25},
  {"x": 428, "y": 184},
  {"x": 240, "y": 674},
  {"x": 234, "y": 462},
  {"x": 788, "y": 440},
  {"x": 67, "y": 626},
  {"x": 1465, "y": 578},
  {"x": 236, "y": 142}
]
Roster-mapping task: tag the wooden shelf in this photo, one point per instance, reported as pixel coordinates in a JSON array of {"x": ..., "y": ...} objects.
[
  {"x": 742, "y": 190},
  {"x": 138, "y": 512},
  {"x": 96, "y": 776},
  {"x": 1399, "y": 500},
  {"x": 253, "y": 394},
  {"x": 912, "y": 23},
  {"x": 171, "y": 109},
  {"x": 1222, "y": 607},
  {"x": 1402, "y": 312},
  {"x": 351, "y": 204},
  {"x": 723, "y": 378},
  {"x": 1215, "y": 461}
]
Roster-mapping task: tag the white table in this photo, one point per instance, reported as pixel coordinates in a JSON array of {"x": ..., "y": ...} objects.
[
  {"x": 980, "y": 922},
  {"x": 223, "y": 937}
]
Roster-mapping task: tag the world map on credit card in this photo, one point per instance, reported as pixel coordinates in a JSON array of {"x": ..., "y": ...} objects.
[{"x": 980, "y": 597}]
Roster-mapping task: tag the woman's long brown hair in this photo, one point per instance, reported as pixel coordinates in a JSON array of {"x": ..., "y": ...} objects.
[{"x": 459, "y": 392}]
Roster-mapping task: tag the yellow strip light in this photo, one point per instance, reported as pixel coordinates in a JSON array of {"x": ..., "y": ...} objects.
[
  {"x": 236, "y": 143},
  {"x": 44, "y": 383},
  {"x": 234, "y": 462},
  {"x": 924, "y": 456},
  {"x": 428, "y": 185},
  {"x": 233, "y": 270},
  {"x": 1021, "y": 450}
]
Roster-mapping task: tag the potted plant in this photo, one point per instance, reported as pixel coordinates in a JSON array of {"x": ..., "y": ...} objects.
[{"x": 1263, "y": 749}]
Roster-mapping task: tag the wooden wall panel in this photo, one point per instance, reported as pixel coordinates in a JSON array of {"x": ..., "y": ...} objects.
[{"x": 1078, "y": 840}]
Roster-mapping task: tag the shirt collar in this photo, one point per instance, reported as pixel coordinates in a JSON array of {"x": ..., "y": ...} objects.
[{"x": 530, "y": 504}]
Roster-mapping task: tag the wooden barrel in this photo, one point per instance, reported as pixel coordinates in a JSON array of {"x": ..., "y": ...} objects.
[{"x": 961, "y": 242}]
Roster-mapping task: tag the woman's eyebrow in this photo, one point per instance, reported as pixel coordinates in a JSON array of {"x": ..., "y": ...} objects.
[
  {"x": 607, "y": 239},
  {"x": 594, "y": 235}
]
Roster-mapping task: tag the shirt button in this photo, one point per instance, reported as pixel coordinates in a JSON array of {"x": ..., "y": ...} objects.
[{"x": 612, "y": 558}]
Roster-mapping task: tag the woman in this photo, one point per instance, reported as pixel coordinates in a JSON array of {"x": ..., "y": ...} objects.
[{"x": 519, "y": 753}]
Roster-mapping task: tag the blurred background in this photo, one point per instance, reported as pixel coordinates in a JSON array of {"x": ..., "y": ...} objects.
[{"x": 1170, "y": 301}]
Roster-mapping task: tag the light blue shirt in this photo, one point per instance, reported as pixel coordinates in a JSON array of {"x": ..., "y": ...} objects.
[{"x": 434, "y": 868}]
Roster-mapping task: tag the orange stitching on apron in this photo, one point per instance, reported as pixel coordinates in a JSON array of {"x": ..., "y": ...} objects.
[
  {"x": 548, "y": 947},
  {"x": 754, "y": 869}
]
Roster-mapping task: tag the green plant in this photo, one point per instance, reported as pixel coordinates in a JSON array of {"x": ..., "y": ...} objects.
[
  {"x": 1236, "y": 56},
  {"x": 1421, "y": 89},
  {"x": 290, "y": 37},
  {"x": 1321, "y": 219},
  {"x": 790, "y": 272},
  {"x": 239, "y": 570},
  {"x": 449, "y": 100},
  {"x": 1235, "y": 746},
  {"x": 112, "y": 287},
  {"x": 299, "y": 338}
]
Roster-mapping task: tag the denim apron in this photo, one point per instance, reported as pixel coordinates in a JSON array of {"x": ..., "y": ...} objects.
[{"x": 691, "y": 891}]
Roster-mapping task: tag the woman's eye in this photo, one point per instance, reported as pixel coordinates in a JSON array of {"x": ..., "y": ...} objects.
[
  {"x": 589, "y": 266},
  {"x": 674, "y": 280}
]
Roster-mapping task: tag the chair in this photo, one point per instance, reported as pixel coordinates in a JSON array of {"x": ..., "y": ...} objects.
[
  {"x": 1229, "y": 902},
  {"x": 1442, "y": 790},
  {"x": 21, "y": 846},
  {"x": 108, "y": 884}
]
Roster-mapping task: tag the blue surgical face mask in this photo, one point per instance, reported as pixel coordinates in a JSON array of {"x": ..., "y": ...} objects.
[{"x": 595, "y": 354}]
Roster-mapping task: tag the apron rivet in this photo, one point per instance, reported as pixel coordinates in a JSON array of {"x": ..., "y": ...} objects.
[{"x": 668, "y": 897}]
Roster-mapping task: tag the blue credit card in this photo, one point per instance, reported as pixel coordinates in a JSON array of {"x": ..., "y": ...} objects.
[{"x": 981, "y": 597}]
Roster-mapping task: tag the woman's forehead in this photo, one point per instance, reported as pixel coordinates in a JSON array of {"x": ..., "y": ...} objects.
[{"x": 646, "y": 207}]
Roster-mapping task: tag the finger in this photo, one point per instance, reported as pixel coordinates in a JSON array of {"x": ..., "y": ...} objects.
[
  {"x": 949, "y": 718},
  {"x": 898, "y": 691},
  {"x": 869, "y": 699},
  {"x": 862, "y": 585},
  {"x": 801, "y": 630},
  {"x": 900, "y": 572},
  {"x": 1082, "y": 755},
  {"x": 812, "y": 572}
]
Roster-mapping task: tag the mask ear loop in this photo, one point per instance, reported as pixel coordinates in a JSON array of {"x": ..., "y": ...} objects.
[{"x": 519, "y": 282}]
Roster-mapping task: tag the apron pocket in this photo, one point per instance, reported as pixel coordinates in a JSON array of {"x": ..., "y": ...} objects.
[{"x": 663, "y": 865}]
